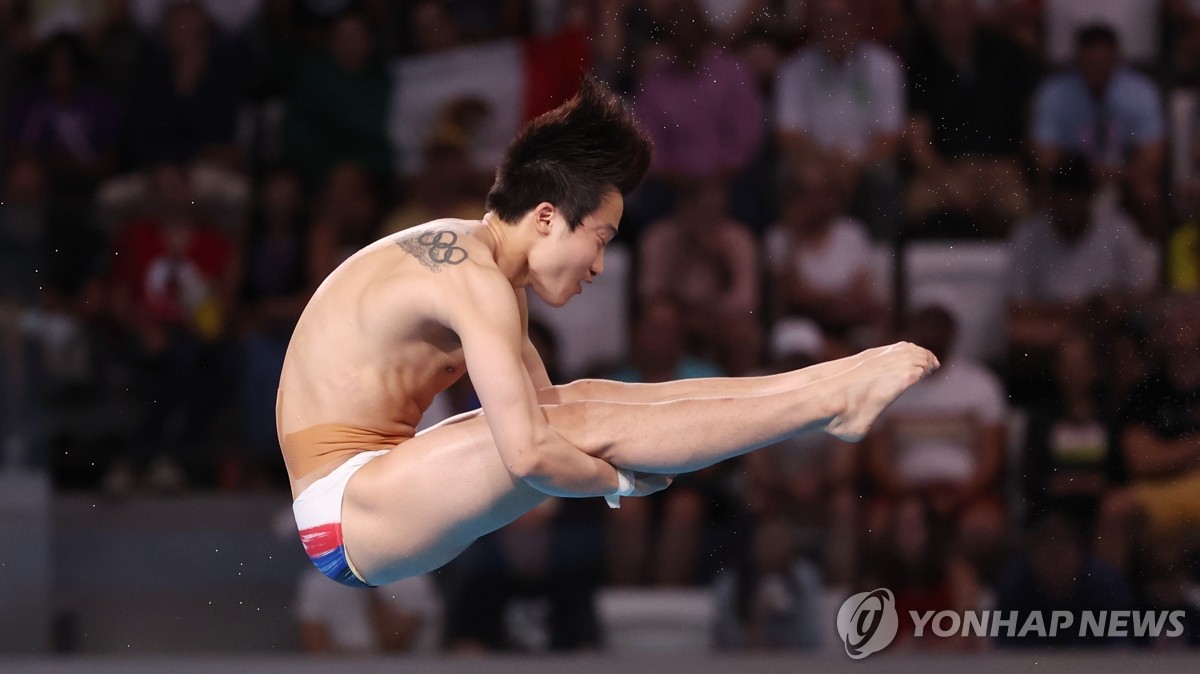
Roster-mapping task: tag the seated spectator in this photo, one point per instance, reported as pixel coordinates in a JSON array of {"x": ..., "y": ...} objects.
[
  {"x": 1160, "y": 437},
  {"x": 773, "y": 601},
  {"x": 911, "y": 551},
  {"x": 184, "y": 104},
  {"x": 1071, "y": 457},
  {"x": 61, "y": 388},
  {"x": 691, "y": 142},
  {"x": 23, "y": 196},
  {"x": 66, "y": 122},
  {"x": 821, "y": 265},
  {"x": 658, "y": 353},
  {"x": 841, "y": 101},
  {"x": 707, "y": 264},
  {"x": 334, "y": 619},
  {"x": 1075, "y": 264},
  {"x": 1057, "y": 572},
  {"x": 345, "y": 218},
  {"x": 553, "y": 556},
  {"x": 274, "y": 289},
  {"x": 446, "y": 186},
  {"x": 808, "y": 480},
  {"x": 968, "y": 92},
  {"x": 1110, "y": 113},
  {"x": 1136, "y": 23},
  {"x": 943, "y": 441},
  {"x": 172, "y": 289},
  {"x": 337, "y": 107}
]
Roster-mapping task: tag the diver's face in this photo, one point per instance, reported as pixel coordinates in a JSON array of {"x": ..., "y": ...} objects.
[{"x": 569, "y": 258}]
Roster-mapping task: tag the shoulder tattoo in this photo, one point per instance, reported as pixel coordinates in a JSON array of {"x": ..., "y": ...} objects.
[{"x": 433, "y": 249}]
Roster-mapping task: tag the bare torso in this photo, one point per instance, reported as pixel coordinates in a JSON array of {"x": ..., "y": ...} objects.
[{"x": 367, "y": 360}]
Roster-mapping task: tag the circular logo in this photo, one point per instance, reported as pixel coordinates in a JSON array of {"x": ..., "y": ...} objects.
[
  {"x": 441, "y": 247},
  {"x": 867, "y": 622}
]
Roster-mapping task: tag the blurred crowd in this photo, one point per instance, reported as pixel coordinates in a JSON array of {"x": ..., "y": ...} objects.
[{"x": 176, "y": 178}]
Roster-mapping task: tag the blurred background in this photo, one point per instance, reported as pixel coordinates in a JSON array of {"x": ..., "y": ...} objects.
[{"x": 1011, "y": 183}]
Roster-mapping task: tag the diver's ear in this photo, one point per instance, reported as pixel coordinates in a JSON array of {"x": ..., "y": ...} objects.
[{"x": 543, "y": 217}]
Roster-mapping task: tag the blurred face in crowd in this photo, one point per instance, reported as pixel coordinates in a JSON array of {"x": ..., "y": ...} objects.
[
  {"x": 350, "y": 43},
  {"x": 185, "y": 29},
  {"x": 445, "y": 174},
  {"x": 281, "y": 198},
  {"x": 348, "y": 195},
  {"x": 658, "y": 337},
  {"x": 172, "y": 187},
  {"x": 1096, "y": 62},
  {"x": 1075, "y": 367},
  {"x": 433, "y": 28}
]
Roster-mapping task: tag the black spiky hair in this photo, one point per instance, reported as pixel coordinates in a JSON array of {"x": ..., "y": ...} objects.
[{"x": 571, "y": 157}]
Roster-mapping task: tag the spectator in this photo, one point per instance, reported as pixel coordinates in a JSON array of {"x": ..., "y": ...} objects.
[
  {"x": 707, "y": 264},
  {"x": 969, "y": 89},
  {"x": 276, "y": 41},
  {"x": 808, "y": 480},
  {"x": 944, "y": 440},
  {"x": 691, "y": 142},
  {"x": 185, "y": 100},
  {"x": 1136, "y": 24},
  {"x": 274, "y": 288},
  {"x": 551, "y": 556},
  {"x": 1160, "y": 438},
  {"x": 658, "y": 353},
  {"x": 774, "y": 601},
  {"x": 822, "y": 265},
  {"x": 910, "y": 550},
  {"x": 23, "y": 237},
  {"x": 22, "y": 240},
  {"x": 841, "y": 100},
  {"x": 68, "y": 123},
  {"x": 1056, "y": 572},
  {"x": 346, "y": 218},
  {"x": 172, "y": 282},
  {"x": 1072, "y": 458},
  {"x": 115, "y": 43},
  {"x": 337, "y": 107},
  {"x": 1077, "y": 263},
  {"x": 1111, "y": 114},
  {"x": 446, "y": 186}
]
